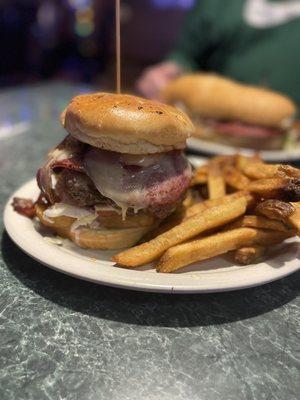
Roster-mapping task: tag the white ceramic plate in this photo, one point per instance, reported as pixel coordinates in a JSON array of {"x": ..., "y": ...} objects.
[
  {"x": 212, "y": 148},
  {"x": 215, "y": 275}
]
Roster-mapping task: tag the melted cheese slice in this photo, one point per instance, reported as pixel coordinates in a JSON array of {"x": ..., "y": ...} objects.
[
  {"x": 83, "y": 217},
  {"x": 134, "y": 181},
  {"x": 66, "y": 210}
]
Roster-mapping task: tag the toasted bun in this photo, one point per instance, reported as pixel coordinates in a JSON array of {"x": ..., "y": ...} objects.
[
  {"x": 212, "y": 96},
  {"x": 100, "y": 239},
  {"x": 126, "y": 124}
]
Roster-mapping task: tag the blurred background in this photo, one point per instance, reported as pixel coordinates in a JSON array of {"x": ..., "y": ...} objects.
[{"x": 73, "y": 40}]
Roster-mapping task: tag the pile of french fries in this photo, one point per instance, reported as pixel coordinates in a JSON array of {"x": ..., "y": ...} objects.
[{"x": 237, "y": 205}]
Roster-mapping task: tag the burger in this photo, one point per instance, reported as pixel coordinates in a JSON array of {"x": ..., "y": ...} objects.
[
  {"x": 119, "y": 172},
  {"x": 232, "y": 113}
]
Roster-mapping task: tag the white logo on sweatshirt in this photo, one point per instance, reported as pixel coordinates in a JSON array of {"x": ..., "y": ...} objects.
[{"x": 265, "y": 14}]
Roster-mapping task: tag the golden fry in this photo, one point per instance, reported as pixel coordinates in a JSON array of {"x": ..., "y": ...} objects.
[
  {"x": 204, "y": 205},
  {"x": 259, "y": 170},
  {"x": 214, "y": 245},
  {"x": 276, "y": 188},
  {"x": 267, "y": 188},
  {"x": 222, "y": 161},
  {"x": 275, "y": 209},
  {"x": 255, "y": 221},
  {"x": 287, "y": 170},
  {"x": 268, "y": 238},
  {"x": 187, "y": 229},
  {"x": 242, "y": 161},
  {"x": 215, "y": 183},
  {"x": 294, "y": 219},
  {"x": 249, "y": 255},
  {"x": 200, "y": 176},
  {"x": 202, "y": 249},
  {"x": 201, "y": 173},
  {"x": 234, "y": 178}
]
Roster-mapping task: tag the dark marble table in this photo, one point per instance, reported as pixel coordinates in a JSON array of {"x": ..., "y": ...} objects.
[{"x": 62, "y": 338}]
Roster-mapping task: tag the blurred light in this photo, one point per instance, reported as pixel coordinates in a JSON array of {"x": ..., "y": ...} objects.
[
  {"x": 86, "y": 14},
  {"x": 80, "y": 4},
  {"x": 45, "y": 29},
  {"x": 173, "y": 3},
  {"x": 85, "y": 28},
  {"x": 84, "y": 17},
  {"x": 46, "y": 15},
  {"x": 9, "y": 129}
]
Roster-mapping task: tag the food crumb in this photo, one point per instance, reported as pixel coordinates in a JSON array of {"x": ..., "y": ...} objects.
[{"x": 53, "y": 240}]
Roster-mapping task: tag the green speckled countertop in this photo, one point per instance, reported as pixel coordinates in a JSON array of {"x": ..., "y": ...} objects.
[{"x": 61, "y": 338}]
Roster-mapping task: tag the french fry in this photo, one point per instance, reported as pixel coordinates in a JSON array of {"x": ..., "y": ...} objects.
[
  {"x": 187, "y": 229},
  {"x": 215, "y": 183},
  {"x": 234, "y": 178},
  {"x": 243, "y": 161},
  {"x": 201, "y": 249},
  {"x": 275, "y": 209},
  {"x": 255, "y": 221},
  {"x": 259, "y": 170},
  {"x": 200, "y": 175},
  {"x": 204, "y": 205},
  {"x": 287, "y": 170},
  {"x": 222, "y": 161},
  {"x": 294, "y": 219},
  {"x": 266, "y": 238},
  {"x": 249, "y": 254},
  {"x": 276, "y": 188}
]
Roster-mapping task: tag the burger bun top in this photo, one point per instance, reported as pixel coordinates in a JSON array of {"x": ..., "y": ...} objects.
[
  {"x": 212, "y": 96},
  {"x": 126, "y": 123}
]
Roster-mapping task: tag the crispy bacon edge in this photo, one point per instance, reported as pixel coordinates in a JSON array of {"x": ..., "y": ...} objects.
[{"x": 26, "y": 207}]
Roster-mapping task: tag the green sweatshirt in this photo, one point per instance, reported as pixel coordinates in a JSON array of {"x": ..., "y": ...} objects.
[{"x": 259, "y": 45}]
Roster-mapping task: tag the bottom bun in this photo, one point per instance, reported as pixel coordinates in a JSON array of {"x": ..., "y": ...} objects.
[
  {"x": 107, "y": 238},
  {"x": 98, "y": 239}
]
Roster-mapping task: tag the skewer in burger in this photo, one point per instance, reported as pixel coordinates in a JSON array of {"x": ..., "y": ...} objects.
[
  {"x": 117, "y": 175},
  {"x": 239, "y": 115}
]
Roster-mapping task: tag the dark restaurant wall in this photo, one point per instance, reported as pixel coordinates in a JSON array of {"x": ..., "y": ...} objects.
[{"x": 74, "y": 39}]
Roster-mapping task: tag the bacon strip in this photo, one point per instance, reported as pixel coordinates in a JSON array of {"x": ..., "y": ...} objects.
[
  {"x": 24, "y": 207},
  {"x": 247, "y": 130},
  {"x": 68, "y": 154}
]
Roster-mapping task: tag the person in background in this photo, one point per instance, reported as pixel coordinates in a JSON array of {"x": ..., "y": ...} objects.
[{"x": 252, "y": 41}]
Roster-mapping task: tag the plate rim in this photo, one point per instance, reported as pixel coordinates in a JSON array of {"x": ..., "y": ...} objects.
[{"x": 54, "y": 263}]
